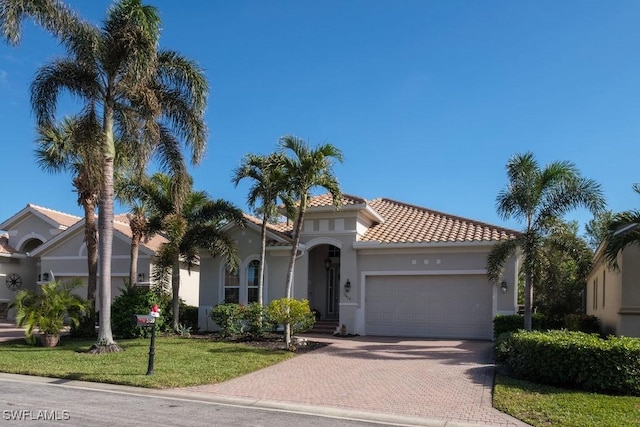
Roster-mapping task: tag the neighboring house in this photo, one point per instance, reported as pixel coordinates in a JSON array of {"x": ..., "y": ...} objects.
[
  {"x": 379, "y": 267},
  {"x": 43, "y": 245},
  {"x": 613, "y": 296}
]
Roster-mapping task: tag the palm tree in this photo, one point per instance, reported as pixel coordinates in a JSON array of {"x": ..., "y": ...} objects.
[
  {"x": 192, "y": 223},
  {"x": 623, "y": 231},
  {"x": 70, "y": 147},
  {"x": 118, "y": 69},
  {"x": 538, "y": 197},
  {"x": 564, "y": 266},
  {"x": 266, "y": 173},
  {"x": 306, "y": 169}
]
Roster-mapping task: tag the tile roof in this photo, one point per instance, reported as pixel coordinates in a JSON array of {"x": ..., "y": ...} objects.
[
  {"x": 61, "y": 218},
  {"x": 405, "y": 223},
  {"x": 4, "y": 245},
  {"x": 283, "y": 229},
  {"x": 121, "y": 224},
  {"x": 327, "y": 200}
]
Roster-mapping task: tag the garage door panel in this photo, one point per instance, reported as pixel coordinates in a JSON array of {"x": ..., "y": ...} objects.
[{"x": 429, "y": 306}]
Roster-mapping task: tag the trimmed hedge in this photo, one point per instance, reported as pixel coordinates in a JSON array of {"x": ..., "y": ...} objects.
[
  {"x": 573, "y": 360},
  {"x": 539, "y": 322},
  {"x": 240, "y": 321}
]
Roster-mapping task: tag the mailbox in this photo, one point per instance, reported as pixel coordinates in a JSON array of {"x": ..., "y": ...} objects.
[{"x": 145, "y": 320}]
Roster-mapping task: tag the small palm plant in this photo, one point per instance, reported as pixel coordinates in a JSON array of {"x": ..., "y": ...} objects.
[{"x": 48, "y": 309}]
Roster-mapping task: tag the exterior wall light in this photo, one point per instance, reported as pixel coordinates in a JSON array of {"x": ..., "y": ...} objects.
[
  {"x": 503, "y": 287},
  {"x": 347, "y": 286}
]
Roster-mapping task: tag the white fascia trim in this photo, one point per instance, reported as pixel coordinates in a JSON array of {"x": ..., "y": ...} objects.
[
  {"x": 378, "y": 245},
  {"x": 13, "y": 255},
  {"x": 368, "y": 211}
]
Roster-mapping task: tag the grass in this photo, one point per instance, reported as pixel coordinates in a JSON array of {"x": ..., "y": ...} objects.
[
  {"x": 541, "y": 405},
  {"x": 179, "y": 362}
]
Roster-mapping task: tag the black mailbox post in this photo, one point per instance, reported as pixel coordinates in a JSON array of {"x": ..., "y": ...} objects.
[{"x": 147, "y": 320}]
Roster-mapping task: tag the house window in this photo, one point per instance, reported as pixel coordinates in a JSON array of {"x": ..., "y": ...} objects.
[
  {"x": 604, "y": 284},
  {"x": 231, "y": 286},
  {"x": 334, "y": 251},
  {"x": 253, "y": 279},
  {"x": 595, "y": 293}
]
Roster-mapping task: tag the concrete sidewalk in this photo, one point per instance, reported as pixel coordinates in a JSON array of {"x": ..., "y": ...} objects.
[{"x": 444, "y": 382}]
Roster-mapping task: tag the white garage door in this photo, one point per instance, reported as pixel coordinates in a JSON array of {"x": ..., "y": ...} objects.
[{"x": 429, "y": 306}]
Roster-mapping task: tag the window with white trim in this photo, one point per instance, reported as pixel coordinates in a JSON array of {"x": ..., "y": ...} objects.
[
  {"x": 231, "y": 286},
  {"x": 253, "y": 280}
]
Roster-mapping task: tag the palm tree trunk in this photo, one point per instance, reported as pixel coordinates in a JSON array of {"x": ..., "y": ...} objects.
[
  {"x": 175, "y": 288},
  {"x": 292, "y": 262},
  {"x": 133, "y": 266},
  {"x": 105, "y": 237},
  {"x": 91, "y": 239},
  {"x": 528, "y": 300},
  {"x": 263, "y": 255},
  {"x": 294, "y": 249}
]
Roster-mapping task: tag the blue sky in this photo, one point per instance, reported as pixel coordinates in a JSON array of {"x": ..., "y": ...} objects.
[{"x": 427, "y": 99}]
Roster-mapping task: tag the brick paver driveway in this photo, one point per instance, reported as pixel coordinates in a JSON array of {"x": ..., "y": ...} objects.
[{"x": 432, "y": 379}]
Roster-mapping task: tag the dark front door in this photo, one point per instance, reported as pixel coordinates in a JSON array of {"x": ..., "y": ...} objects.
[{"x": 333, "y": 293}]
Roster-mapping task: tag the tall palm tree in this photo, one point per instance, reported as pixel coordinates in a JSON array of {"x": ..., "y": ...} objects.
[
  {"x": 119, "y": 69},
  {"x": 70, "y": 147},
  {"x": 268, "y": 186},
  {"x": 538, "y": 197},
  {"x": 623, "y": 231},
  {"x": 305, "y": 170},
  {"x": 190, "y": 223}
]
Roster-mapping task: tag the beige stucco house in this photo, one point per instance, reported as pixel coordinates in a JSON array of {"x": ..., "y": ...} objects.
[
  {"x": 41, "y": 244},
  {"x": 379, "y": 267},
  {"x": 613, "y": 295}
]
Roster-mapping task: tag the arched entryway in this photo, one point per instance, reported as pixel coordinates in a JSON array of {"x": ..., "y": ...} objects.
[{"x": 324, "y": 281}]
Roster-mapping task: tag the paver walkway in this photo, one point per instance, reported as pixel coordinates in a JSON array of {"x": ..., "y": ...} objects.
[{"x": 433, "y": 379}]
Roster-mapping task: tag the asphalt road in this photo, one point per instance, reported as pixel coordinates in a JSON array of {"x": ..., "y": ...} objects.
[{"x": 57, "y": 402}]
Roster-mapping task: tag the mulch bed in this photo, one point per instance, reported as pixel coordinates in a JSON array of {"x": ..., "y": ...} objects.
[{"x": 268, "y": 342}]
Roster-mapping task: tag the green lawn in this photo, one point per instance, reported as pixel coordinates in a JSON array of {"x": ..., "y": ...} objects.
[
  {"x": 541, "y": 405},
  {"x": 179, "y": 362}
]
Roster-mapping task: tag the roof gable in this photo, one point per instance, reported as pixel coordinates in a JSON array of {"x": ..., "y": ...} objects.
[{"x": 55, "y": 218}]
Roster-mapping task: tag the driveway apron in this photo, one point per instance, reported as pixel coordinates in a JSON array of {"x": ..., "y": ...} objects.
[{"x": 449, "y": 380}]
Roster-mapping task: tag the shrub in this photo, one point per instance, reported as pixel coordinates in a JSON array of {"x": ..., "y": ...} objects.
[
  {"x": 582, "y": 323},
  {"x": 512, "y": 323},
  {"x": 299, "y": 316},
  {"x": 134, "y": 301},
  {"x": 188, "y": 314},
  {"x": 240, "y": 321},
  {"x": 254, "y": 320},
  {"x": 228, "y": 318},
  {"x": 573, "y": 360}
]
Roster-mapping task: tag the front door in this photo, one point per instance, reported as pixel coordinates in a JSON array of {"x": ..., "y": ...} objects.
[{"x": 333, "y": 293}]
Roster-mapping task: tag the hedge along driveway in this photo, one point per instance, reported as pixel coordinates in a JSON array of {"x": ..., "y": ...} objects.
[{"x": 573, "y": 360}]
